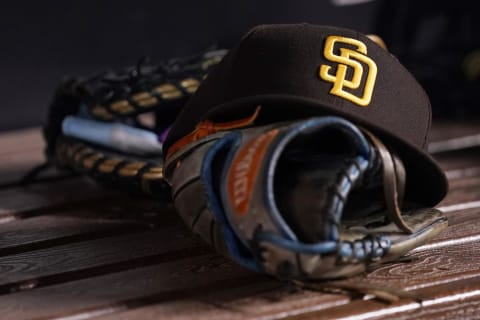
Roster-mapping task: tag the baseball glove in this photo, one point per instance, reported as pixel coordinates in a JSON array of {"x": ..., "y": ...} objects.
[
  {"x": 312, "y": 199},
  {"x": 111, "y": 125}
]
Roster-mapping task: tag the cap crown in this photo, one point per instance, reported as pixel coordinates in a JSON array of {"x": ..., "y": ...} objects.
[{"x": 342, "y": 71}]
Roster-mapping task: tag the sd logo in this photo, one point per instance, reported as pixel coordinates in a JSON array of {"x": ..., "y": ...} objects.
[{"x": 353, "y": 59}]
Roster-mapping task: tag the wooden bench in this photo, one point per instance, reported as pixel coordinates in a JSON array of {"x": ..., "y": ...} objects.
[{"x": 71, "y": 250}]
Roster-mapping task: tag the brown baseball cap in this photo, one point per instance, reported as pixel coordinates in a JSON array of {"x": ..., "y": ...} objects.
[{"x": 301, "y": 70}]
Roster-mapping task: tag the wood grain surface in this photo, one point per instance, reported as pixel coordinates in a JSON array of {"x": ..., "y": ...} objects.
[{"x": 70, "y": 249}]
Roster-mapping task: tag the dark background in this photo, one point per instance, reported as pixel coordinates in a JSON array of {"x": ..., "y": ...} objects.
[{"x": 43, "y": 41}]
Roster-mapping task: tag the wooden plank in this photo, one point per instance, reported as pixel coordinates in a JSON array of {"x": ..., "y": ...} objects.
[
  {"x": 451, "y": 136},
  {"x": 453, "y": 175},
  {"x": 82, "y": 195},
  {"x": 14, "y": 167},
  {"x": 165, "y": 282},
  {"x": 429, "y": 267},
  {"x": 461, "y": 191},
  {"x": 464, "y": 177},
  {"x": 437, "y": 298},
  {"x": 48, "y": 231},
  {"x": 459, "y": 160},
  {"x": 465, "y": 183},
  {"x": 447, "y": 129},
  {"x": 277, "y": 303},
  {"x": 88, "y": 258},
  {"x": 21, "y": 140},
  {"x": 121, "y": 207},
  {"x": 20, "y": 151},
  {"x": 455, "y": 144},
  {"x": 70, "y": 192},
  {"x": 457, "y": 309},
  {"x": 464, "y": 227}
]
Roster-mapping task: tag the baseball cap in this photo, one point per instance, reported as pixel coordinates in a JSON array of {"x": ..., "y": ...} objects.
[{"x": 302, "y": 70}]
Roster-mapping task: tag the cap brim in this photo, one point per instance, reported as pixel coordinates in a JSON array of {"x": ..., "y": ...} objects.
[{"x": 426, "y": 183}]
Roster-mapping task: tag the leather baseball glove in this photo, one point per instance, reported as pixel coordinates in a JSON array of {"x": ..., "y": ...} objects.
[
  {"x": 312, "y": 199},
  {"x": 111, "y": 125}
]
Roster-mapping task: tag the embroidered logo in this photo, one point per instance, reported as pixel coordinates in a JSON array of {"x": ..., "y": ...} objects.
[{"x": 352, "y": 88}]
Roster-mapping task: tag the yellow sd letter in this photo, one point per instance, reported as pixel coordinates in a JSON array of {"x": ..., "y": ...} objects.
[{"x": 349, "y": 58}]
